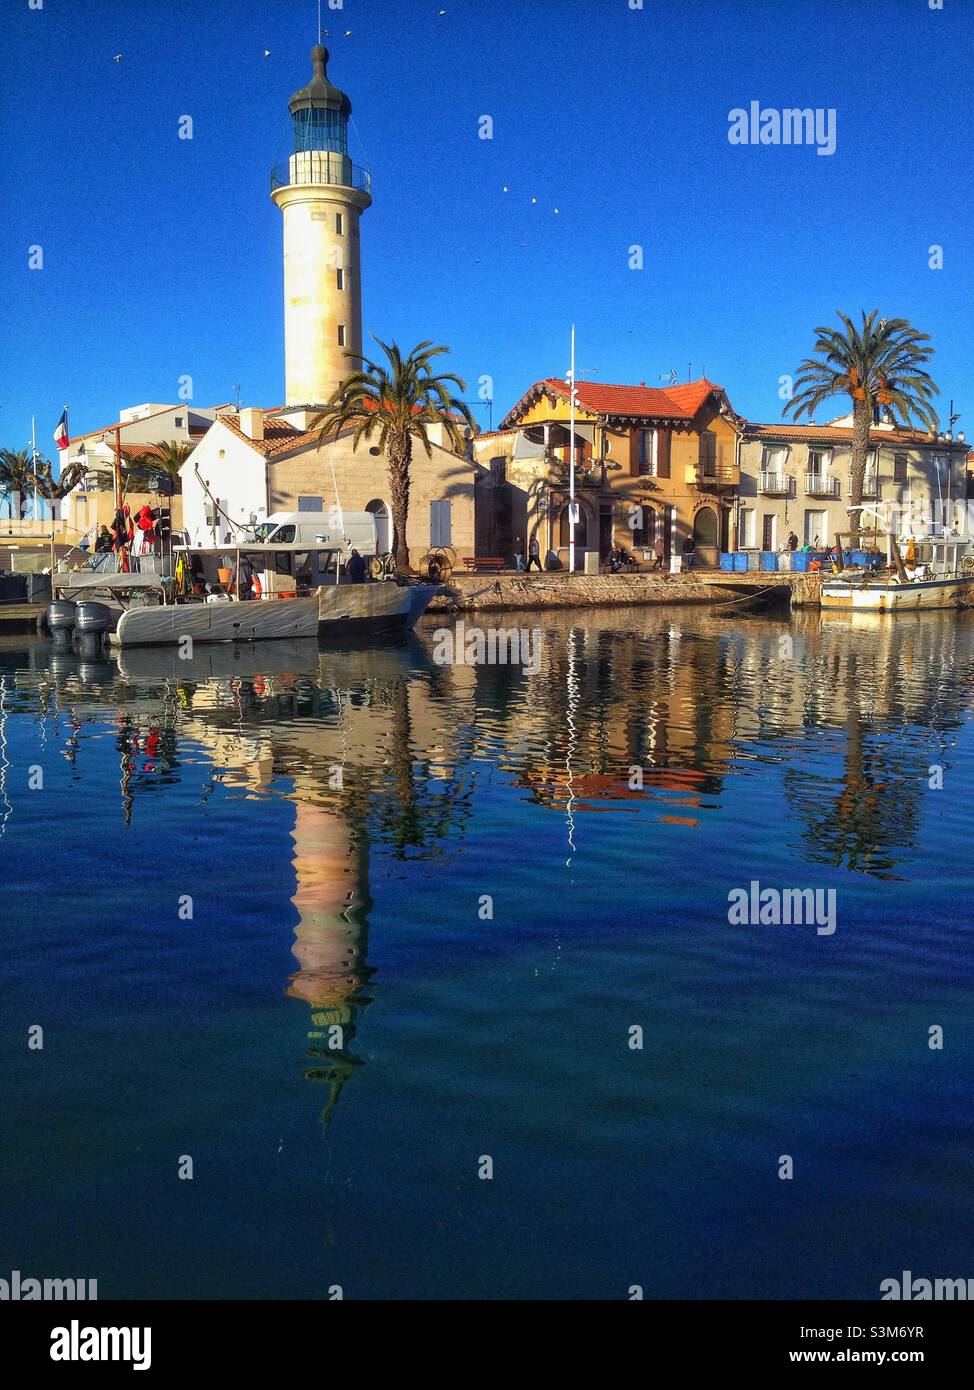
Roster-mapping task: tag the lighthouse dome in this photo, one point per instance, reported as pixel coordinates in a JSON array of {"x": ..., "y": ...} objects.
[{"x": 320, "y": 94}]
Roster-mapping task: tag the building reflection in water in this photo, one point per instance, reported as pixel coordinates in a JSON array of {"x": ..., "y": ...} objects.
[{"x": 381, "y": 748}]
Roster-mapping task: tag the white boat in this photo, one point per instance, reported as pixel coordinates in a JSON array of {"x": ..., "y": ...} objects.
[
  {"x": 302, "y": 591},
  {"x": 940, "y": 577}
]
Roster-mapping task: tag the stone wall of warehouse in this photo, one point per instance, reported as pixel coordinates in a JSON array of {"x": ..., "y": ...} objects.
[
  {"x": 483, "y": 593},
  {"x": 363, "y": 478}
]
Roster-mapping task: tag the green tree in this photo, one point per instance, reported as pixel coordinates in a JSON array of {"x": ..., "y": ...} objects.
[
  {"x": 395, "y": 403},
  {"x": 16, "y": 478},
  {"x": 880, "y": 364},
  {"x": 167, "y": 458}
]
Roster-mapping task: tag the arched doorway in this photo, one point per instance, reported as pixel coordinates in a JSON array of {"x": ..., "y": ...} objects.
[
  {"x": 706, "y": 543},
  {"x": 383, "y": 525}
]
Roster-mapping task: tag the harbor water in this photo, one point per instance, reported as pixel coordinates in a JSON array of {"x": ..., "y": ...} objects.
[{"x": 385, "y": 972}]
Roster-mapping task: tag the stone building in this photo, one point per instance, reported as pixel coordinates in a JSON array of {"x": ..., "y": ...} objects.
[
  {"x": 253, "y": 463},
  {"x": 795, "y": 478}
]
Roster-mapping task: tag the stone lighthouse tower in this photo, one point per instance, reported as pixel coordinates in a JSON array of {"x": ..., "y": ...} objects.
[{"x": 321, "y": 194}]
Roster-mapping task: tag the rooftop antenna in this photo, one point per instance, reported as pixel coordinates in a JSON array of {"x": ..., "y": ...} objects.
[
  {"x": 319, "y": 21},
  {"x": 671, "y": 377},
  {"x": 236, "y": 391}
]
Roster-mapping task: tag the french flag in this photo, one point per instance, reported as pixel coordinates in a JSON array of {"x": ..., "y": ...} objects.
[{"x": 61, "y": 433}]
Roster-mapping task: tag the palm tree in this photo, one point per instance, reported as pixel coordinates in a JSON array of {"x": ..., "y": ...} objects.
[
  {"x": 167, "y": 458},
  {"x": 16, "y": 477},
  {"x": 879, "y": 364},
  {"x": 394, "y": 403}
]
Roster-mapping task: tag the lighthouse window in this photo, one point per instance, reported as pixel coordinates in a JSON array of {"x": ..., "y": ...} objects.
[
  {"x": 341, "y": 335},
  {"x": 340, "y": 223},
  {"x": 340, "y": 277}
]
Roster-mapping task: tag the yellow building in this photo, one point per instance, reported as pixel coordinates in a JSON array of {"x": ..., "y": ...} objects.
[{"x": 651, "y": 465}]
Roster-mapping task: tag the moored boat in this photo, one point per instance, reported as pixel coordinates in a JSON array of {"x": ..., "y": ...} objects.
[
  {"x": 270, "y": 592},
  {"x": 939, "y": 577}
]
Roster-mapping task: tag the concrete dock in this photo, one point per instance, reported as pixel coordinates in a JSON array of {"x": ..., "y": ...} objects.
[{"x": 512, "y": 590}]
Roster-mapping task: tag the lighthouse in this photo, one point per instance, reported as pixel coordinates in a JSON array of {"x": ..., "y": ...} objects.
[{"x": 322, "y": 195}]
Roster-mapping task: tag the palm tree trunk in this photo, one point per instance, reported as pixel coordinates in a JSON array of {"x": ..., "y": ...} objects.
[
  {"x": 861, "y": 421},
  {"x": 400, "y": 454}
]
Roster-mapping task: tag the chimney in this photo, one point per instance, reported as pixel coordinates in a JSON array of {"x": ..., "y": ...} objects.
[{"x": 252, "y": 423}]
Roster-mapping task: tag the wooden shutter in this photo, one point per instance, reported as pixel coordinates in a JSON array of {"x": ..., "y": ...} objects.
[
  {"x": 441, "y": 523},
  {"x": 663, "y": 453}
]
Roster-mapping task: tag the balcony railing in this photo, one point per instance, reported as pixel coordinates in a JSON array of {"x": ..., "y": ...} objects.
[
  {"x": 819, "y": 485},
  {"x": 713, "y": 475},
  {"x": 321, "y": 167},
  {"x": 776, "y": 485}
]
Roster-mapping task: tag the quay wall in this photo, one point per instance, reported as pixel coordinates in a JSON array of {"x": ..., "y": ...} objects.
[{"x": 542, "y": 592}]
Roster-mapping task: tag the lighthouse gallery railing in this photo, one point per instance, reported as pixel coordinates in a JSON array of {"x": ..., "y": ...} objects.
[{"x": 336, "y": 170}]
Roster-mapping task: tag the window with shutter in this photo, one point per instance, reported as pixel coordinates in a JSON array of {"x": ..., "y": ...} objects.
[
  {"x": 708, "y": 454},
  {"x": 663, "y": 454},
  {"x": 441, "y": 523}
]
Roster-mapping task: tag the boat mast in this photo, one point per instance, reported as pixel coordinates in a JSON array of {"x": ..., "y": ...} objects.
[{"x": 571, "y": 459}]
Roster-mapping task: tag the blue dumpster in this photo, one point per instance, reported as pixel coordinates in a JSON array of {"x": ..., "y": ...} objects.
[
  {"x": 769, "y": 560},
  {"x": 726, "y": 561}
]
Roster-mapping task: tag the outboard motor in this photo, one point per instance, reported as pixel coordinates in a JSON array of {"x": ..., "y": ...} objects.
[
  {"x": 61, "y": 618},
  {"x": 92, "y": 622}
]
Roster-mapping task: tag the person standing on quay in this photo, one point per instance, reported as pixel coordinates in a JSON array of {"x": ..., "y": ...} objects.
[
  {"x": 660, "y": 551},
  {"x": 534, "y": 553}
]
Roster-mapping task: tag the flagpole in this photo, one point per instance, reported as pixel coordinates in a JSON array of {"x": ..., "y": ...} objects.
[
  {"x": 571, "y": 465},
  {"x": 33, "y": 464}
]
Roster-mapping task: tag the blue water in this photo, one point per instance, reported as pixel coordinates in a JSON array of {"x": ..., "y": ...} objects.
[{"x": 338, "y": 819}]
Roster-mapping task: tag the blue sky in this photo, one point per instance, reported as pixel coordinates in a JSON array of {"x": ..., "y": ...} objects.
[{"x": 162, "y": 256}]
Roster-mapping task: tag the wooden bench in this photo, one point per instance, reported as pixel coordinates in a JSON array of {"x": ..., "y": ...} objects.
[{"x": 484, "y": 564}]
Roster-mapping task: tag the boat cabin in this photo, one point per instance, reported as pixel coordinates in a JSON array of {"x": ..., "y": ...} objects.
[
  {"x": 939, "y": 557},
  {"x": 281, "y": 571}
]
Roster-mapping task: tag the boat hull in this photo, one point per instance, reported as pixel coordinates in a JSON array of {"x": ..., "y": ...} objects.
[
  {"x": 357, "y": 610},
  {"x": 173, "y": 624},
  {"x": 334, "y": 613},
  {"x": 896, "y": 598}
]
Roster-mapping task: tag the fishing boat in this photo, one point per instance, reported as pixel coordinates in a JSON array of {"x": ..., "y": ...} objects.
[
  {"x": 940, "y": 575},
  {"x": 259, "y": 592}
]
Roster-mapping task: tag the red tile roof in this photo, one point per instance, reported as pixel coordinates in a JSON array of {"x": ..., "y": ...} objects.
[
  {"x": 604, "y": 398},
  {"x": 837, "y": 434},
  {"x": 142, "y": 449},
  {"x": 278, "y": 434}
]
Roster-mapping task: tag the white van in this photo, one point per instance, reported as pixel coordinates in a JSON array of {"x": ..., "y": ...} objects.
[{"x": 353, "y": 531}]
